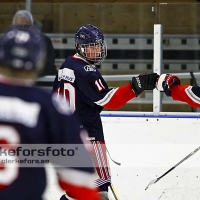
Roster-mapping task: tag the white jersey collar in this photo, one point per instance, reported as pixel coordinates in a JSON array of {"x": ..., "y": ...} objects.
[{"x": 77, "y": 56}]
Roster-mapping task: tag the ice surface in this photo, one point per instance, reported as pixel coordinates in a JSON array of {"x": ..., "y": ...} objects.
[{"x": 146, "y": 149}]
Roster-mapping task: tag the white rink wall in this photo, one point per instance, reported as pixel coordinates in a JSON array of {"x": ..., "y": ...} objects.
[{"x": 147, "y": 147}]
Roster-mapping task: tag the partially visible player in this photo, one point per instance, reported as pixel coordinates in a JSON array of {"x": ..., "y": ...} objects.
[
  {"x": 170, "y": 85},
  {"x": 79, "y": 81},
  {"x": 25, "y": 18},
  {"x": 29, "y": 115}
]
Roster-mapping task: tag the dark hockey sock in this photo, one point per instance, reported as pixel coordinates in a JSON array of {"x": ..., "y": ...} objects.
[
  {"x": 104, "y": 187},
  {"x": 63, "y": 197}
]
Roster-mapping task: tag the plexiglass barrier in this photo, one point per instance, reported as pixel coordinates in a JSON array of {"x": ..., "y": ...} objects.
[{"x": 129, "y": 32}]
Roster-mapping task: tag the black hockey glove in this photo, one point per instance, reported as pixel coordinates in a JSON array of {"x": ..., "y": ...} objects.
[{"x": 144, "y": 82}]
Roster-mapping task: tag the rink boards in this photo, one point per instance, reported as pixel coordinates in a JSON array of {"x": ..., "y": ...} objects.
[{"x": 146, "y": 147}]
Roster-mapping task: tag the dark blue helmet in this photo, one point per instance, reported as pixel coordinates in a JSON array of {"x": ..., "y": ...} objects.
[
  {"x": 90, "y": 36},
  {"x": 22, "y": 48}
]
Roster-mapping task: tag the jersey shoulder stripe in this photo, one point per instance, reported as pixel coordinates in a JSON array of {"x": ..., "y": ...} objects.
[
  {"x": 191, "y": 95},
  {"x": 16, "y": 110},
  {"x": 107, "y": 97}
]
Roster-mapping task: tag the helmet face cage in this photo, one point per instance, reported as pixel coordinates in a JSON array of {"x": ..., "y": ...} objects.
[
  {"x": 90, "y": 44},
  {"x": 94, "y": 52}
]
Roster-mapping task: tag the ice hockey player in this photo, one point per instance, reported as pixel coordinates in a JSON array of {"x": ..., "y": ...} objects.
[
  {"x": 79, "y": 80},
  {"x": 170, "y": 85},
  {"x": 30, "y": 116}
]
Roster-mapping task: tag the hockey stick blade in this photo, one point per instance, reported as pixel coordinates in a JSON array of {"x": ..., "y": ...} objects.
[
  {"x": 117, "y": 163},
  {"x": 157, "y": 179},
  {"x": 189, "y": 155},
  {"x": 151, "y": 183},
  {"x": 114, "y": 192}
]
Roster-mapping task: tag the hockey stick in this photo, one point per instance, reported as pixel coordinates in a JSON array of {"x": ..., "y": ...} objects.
[
  {"x": 117, "y": 163},
  {"x": 113, "y": 191},
  {"x": 194, "y": 83},
  {"x": 157, "y": 179},
  {"x": 193, "y": 79}
]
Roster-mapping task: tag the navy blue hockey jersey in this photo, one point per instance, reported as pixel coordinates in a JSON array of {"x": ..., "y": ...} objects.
[
  {"x": 29, "y": 115},
  {"x": 88, "y": 93}
]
